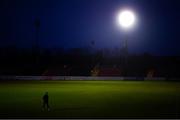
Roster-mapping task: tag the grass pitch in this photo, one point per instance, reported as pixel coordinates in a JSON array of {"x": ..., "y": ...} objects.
[{"x": 90, "y": 99}]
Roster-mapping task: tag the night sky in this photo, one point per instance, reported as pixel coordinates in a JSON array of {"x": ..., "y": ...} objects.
[{"x": 76, "y": 23}]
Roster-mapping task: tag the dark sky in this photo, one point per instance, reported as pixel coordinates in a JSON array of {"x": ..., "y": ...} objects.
[{"x": 76, "y": 23}]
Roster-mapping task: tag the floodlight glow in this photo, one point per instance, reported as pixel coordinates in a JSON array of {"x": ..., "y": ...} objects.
[{"x": 126, "y": 19}]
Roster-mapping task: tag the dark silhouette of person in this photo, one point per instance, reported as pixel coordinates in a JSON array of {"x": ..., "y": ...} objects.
[{"x": 46, "y": 101}]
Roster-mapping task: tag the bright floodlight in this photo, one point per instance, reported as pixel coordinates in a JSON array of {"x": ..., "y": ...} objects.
[{"x": 126, "y": 18}]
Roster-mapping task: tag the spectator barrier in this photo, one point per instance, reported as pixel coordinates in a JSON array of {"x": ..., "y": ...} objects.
[{"x": 80, "y": 78}]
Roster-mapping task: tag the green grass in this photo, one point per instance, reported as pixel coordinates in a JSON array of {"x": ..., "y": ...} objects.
[{"x": 90, "y": 99}]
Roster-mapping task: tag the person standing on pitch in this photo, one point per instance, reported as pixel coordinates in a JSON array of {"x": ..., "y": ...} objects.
[{"x": 46, "y": 102}]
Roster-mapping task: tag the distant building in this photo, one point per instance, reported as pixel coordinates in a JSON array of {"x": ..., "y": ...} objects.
[
  {"x": 151, "y": 73},
  {"x": 106, "y": 71}
]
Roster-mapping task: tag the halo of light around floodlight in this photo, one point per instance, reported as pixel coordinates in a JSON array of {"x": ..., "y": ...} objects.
[{"x": 126, "y": 18}]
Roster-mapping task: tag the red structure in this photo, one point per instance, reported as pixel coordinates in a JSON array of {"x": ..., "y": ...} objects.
[{"x": 109, "y": 72}]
